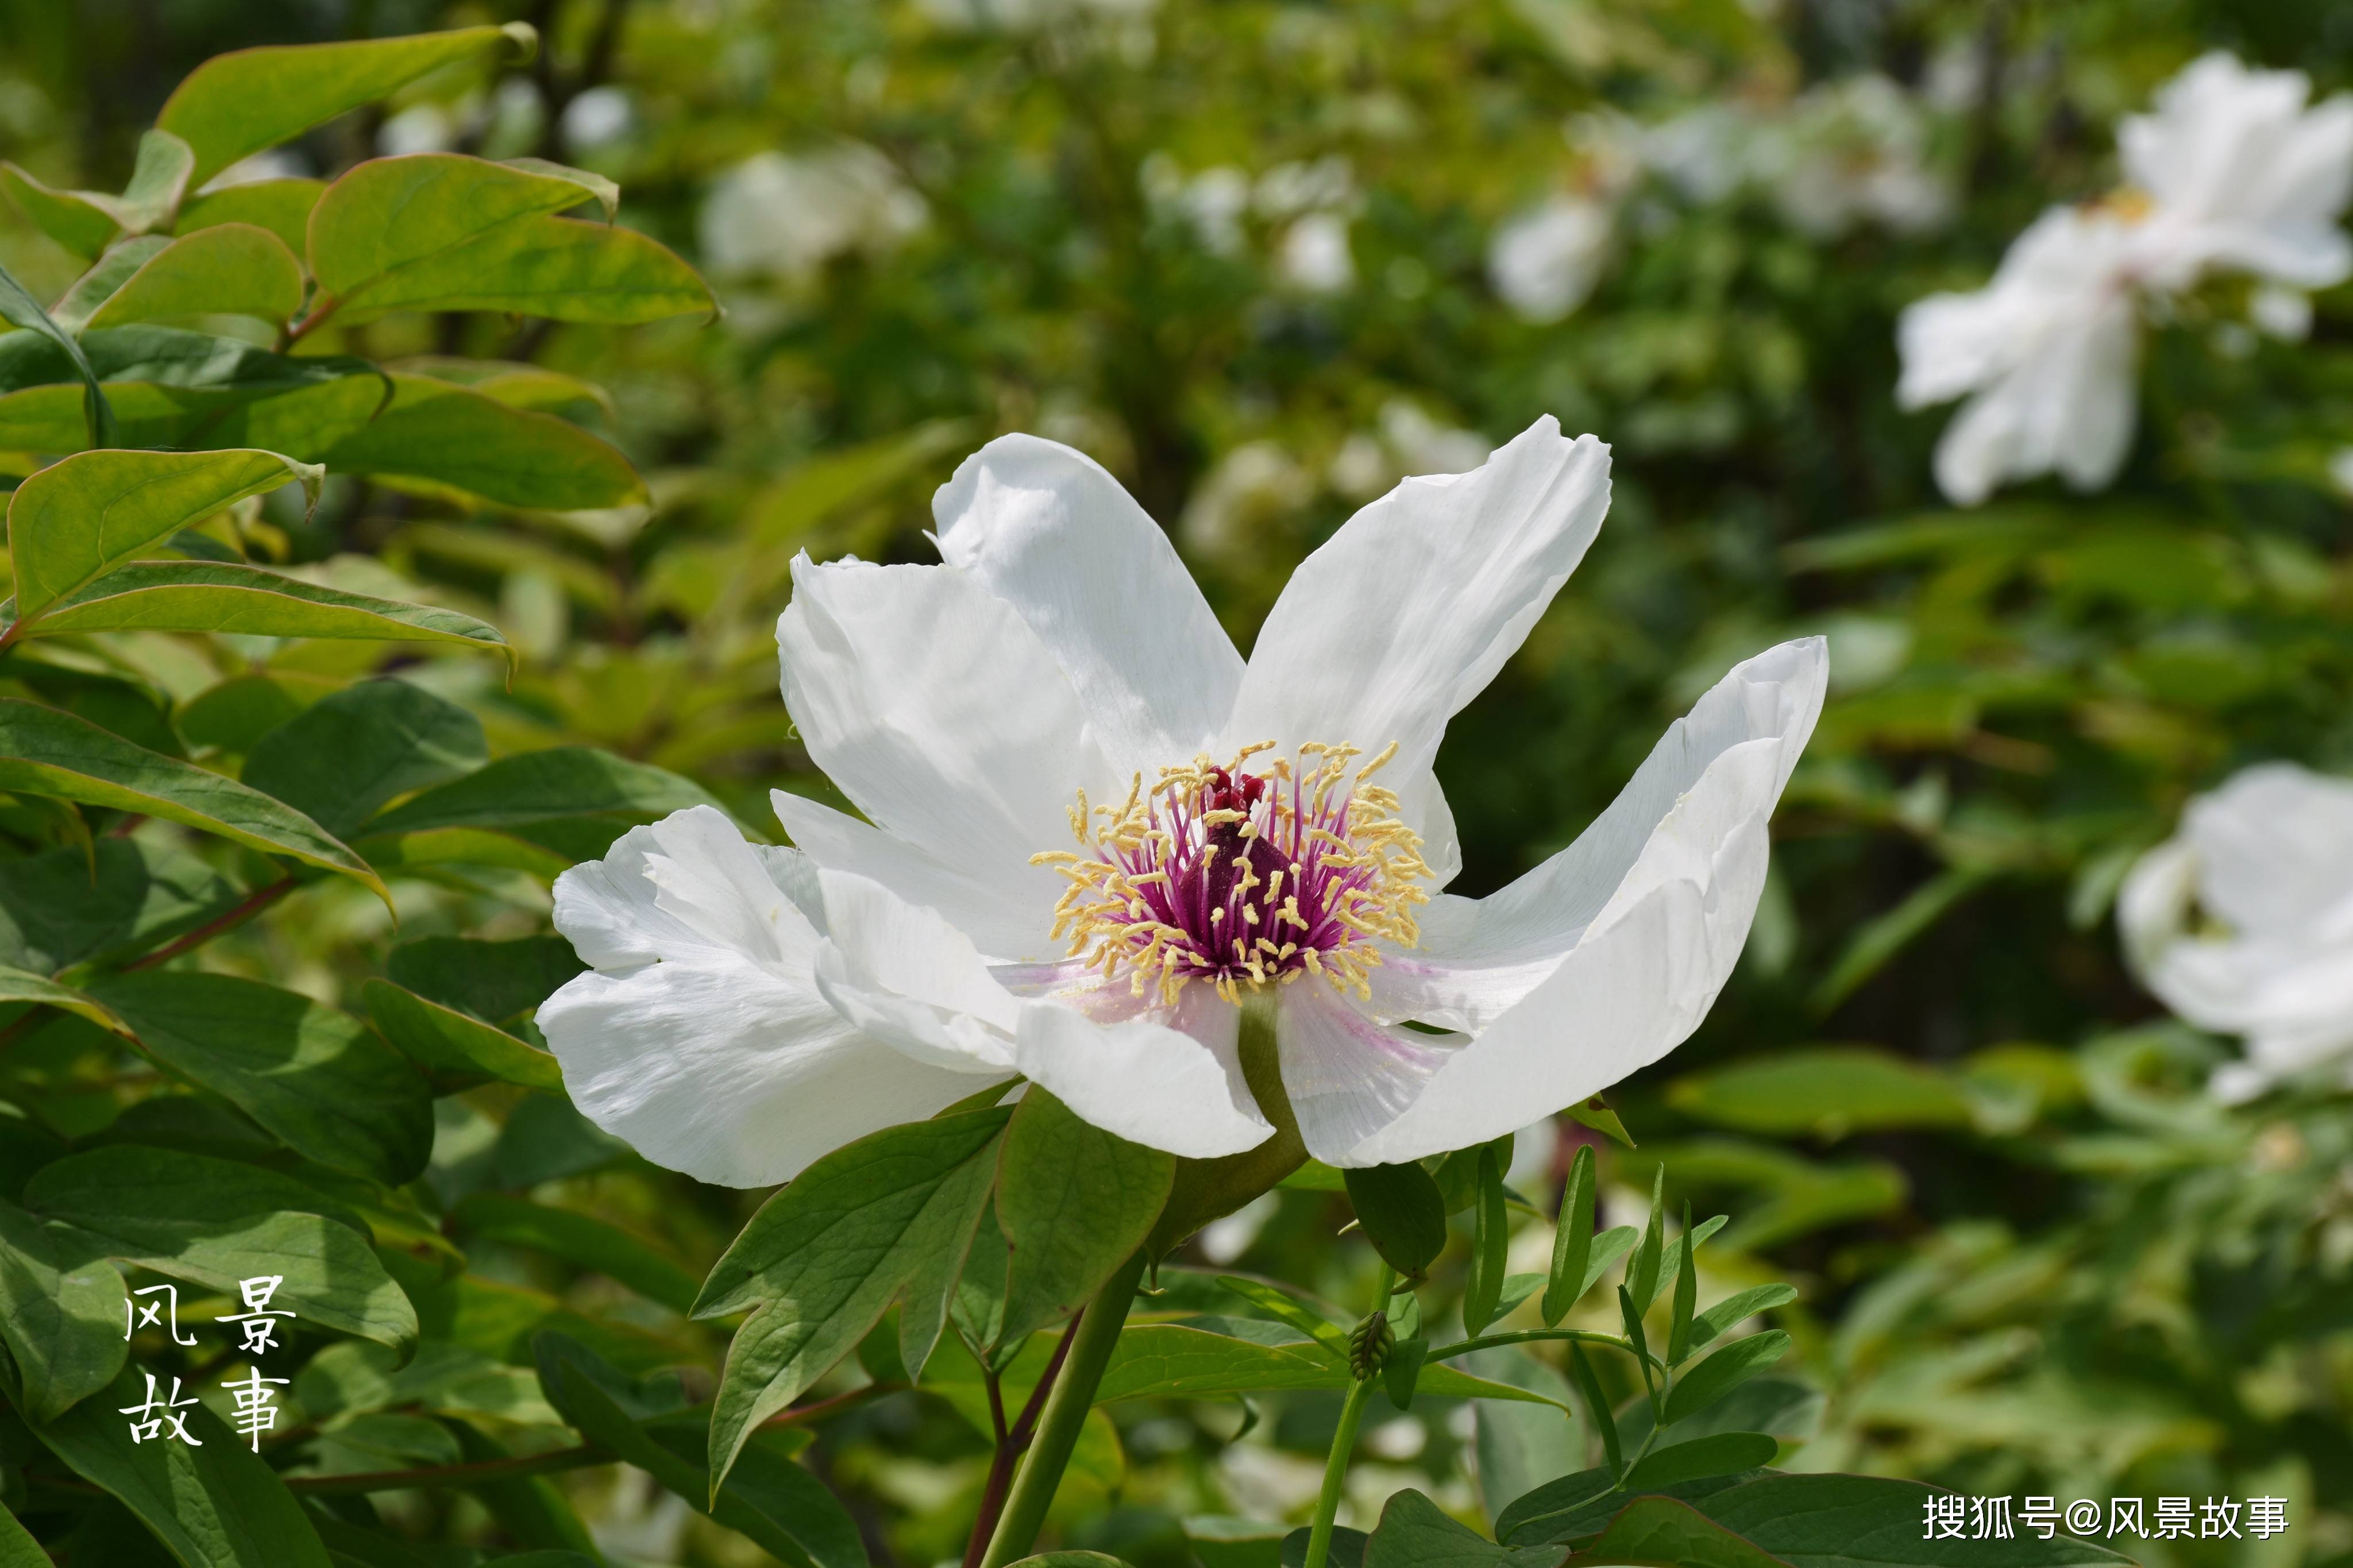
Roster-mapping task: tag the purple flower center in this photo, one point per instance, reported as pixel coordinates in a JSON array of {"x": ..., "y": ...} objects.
[{"x": 1244, "y": 878}]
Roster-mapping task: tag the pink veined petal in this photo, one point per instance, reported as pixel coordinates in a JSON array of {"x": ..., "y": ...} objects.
[
  {"x": 1046, "y": 530},
  {"x": 1407, "y": 612},
  {"x": 1347, "y": 1075},
  {"x": 1478, "y": 958},
  {"x": 936, "y": 708}
]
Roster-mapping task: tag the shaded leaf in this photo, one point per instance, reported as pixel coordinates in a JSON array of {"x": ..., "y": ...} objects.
[
  {"x": 448, "y": 435},
  {"x": 61, "y": 1304},
  {"x": 1721, "y": 1454},
  {"x": 313, "y": 1075},
  {"x": 458, "y": 1050},
  {"x": 1720, "y": 1373},
  {"x": 1074, "y": 1202},
  {"x": 1402, "y": 1213},
  {"x": 582, "y": 1241},
  {"x": 43, "y": 751},
  {"x": 214, "y": 1222},
  {"x": 1866, "y": 1521},
  {"x": 21, "y": 309},
  {"x": 533, "y": 786},
  {"x": 345, "y": 756},
  {"x": 1415, "y": 1533}
]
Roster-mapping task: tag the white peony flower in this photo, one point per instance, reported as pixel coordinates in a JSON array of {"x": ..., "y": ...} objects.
[
  {"x": 1850, "y": 151},
  {"x": 1545, "y": 261},
  {"x": 1096, "y": 835},
  {"x": 2233, "y": 171},
  {"x": 2050, "y": 348},
  {"x": 2242, "y": 922}
]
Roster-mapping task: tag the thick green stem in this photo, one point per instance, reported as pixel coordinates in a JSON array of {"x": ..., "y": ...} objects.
[
  {"x": 1344, "y": 1443},
  {"x": 1065, "y": 1414}
]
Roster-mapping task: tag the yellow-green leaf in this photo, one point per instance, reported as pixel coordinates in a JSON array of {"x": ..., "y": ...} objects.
[{"x": 229, "y": 270}]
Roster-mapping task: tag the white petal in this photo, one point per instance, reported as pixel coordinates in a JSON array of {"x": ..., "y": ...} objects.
[
  {"x": 1646, "y": 972},
  {"x": 728, "y": 1070},
  {"x": 1409, "y": 610},
  {"x": 1048, "y": 531},
  {"x": 1005, "y": 928},
  {"x": 935, "y": 708},
  {"x": 896, "y": 946},
  {"x": 1149, "y": 1083},
  {"x": 1347, "y": 1075},
  {"x": 687, "y": 883},
  {"x": 1479, "y": 958}
]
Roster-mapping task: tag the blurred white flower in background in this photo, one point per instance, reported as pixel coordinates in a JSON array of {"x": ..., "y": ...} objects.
[
  {"x": 2233, "y": 171},
  {"x": 784, "y": 214},
  {"x": 1545, "y": 261},
  {"x": 2050, "y": 348},
  {"x": 597, "y": 118},
  {"x": 420, "y": 128},
  {"x": 1849, "y": 152},
  {"x": 2242, "y": 922},
  {"x": 1212, "y": 203},
  {"x": 1314, "y": 256}
]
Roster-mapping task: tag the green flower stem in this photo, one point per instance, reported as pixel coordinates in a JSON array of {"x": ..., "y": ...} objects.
[
  {"x": 1344, "y": 1443},
  {"x": 1065, "y": 1414}
]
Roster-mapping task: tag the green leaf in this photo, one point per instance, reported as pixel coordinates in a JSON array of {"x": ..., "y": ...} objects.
[
  {"x": 228, "y": 270},
  {"x": 1735, "y": 1308},
  {"x": 59, "y": 1303},
  {"x": 77, "y": 519},
  {"x": 459, "y": 1051},
  {"x": 756, "y": 1497},
  {"x": 214, "y": 1222},
  {"x": 1596, "y": 1114},
  {"x": 533, "y": 786},
  {"x": 1720, "y": 1373},
  {"x": 1868, "y": 1521},
  {"x": 1642, "y": 1275},
  {"x": 1826, "y": 1092},
  {"x": 22, "y": 309},
  {"x": 451, "y": 436},
  {"x": 1574, "y": 1507},
  {"x": 43, "y": 752},
  {"x": 1687, "y": 1296},
  {"x": 1415, "y": 1533},
  {"x": 76, "y": 219},
  {"x": 1490, "y": 1240},
  {"x": 1282, "y": 1307},
  {"x": 282, "y": 206},
  {"x": 581, "y": 1240},
  {"x": 1074, "y": 1202},
  {"x": 160, "y": 175},
  {"x": 824, "y": 1257},
  {"x": 110, "y": 271},
  {"x": 344, "y": 758},
  {"x": 1572, "y": 1242},
  {"x": 249, "y": 99},
  {"x": 494, "y": 981},
  {"x": 199, "y": 596},
  {"x": 1402, "y": 1213},
  {"x": 67, "y": 906},
  {"x": 1721, "y": 1454},
  {"x": 1878, "y": 940},
  {"x": 176, "y": 388},
  {"x": 313, "y": 1075},
  {"x": 1401, "y": 1373},
  {"x": 442, "y": 231},
  {"x": 1201, "y": 1360},
  {"x": 213, "y": 1502},
  {"x": 1661, "y": 1529},
  {"x": 17, "y": 985}
]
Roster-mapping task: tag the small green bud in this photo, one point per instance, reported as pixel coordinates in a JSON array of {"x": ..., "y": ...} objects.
[{"x": 1369, "y": 1345}]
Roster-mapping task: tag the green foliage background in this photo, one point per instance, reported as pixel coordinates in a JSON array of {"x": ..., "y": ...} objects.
[{"x": 2031, "y": 1255}]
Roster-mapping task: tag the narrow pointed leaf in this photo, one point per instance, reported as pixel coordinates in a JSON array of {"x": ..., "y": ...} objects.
[
  {"x": 1732, "y": 1310},
  {"x": 1642, "y": 1274},
  {"x": 1491, "y": 1238},
  {"x": 1720, "y": 1454},
  {"x": 457, "y": 1051},
  {"x": 1597, "y": 1407},
  {"x": 1572, "y": 1242},
  {"x": 1687, "y": 1296}
]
